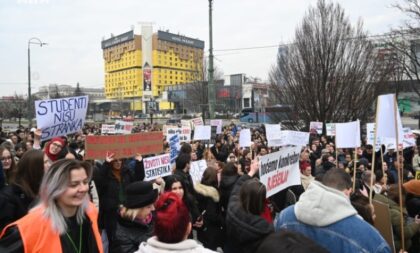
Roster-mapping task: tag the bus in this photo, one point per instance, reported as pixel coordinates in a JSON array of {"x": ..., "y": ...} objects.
[{"x": 269, "y": 115}]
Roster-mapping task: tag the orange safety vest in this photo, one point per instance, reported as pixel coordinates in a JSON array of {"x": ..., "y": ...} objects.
[{"x": 38, "y": 235}]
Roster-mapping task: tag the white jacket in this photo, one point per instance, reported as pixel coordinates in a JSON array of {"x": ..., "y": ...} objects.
[{"x": 188, "y": 246}]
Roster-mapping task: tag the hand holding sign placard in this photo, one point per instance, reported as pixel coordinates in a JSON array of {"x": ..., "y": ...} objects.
[{"x": 58, "y": 117}]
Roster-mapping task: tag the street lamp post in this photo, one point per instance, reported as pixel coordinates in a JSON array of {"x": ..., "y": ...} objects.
[
  {"x": 211, "y": 88},
  {"x": 35, "y": 41}
]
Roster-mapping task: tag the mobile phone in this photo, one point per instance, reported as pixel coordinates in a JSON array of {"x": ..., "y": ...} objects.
[{"x": 200, "y": 218}]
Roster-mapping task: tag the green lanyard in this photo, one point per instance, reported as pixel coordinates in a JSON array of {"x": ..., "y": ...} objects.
[{"x": 80, "y": 240}]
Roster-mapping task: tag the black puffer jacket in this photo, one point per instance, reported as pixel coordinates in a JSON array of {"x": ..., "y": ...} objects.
[
  {"x": 226, "y": 186},
  {"x": 129, "y": 235},
  {"x": 111, "y": 192},
  {"x": 245, "y": 231}
]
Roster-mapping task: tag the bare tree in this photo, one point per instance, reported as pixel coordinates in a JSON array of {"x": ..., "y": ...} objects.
[{"x": 331, "y": 72}]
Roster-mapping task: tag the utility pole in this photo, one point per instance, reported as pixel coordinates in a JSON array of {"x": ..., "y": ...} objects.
[{"x": 211, "y": 90}]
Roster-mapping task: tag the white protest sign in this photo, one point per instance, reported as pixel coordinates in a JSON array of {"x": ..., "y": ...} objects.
[
  {"x": 61, "y": 116},
  {"x": 197, "y": 169},
  {"x": 385, "y": 118},
  {"x": 245, "y": 138},
  {"x": 202, "y": 133},
  {"x": 280, "y": 170},
  {"x": 370, "y": 136},
  {"x": 157, "y": 166},
  {"x": 197, "y": 122},
  {"x": 123, "y": 127},
  {"x": 330, "y": 129},
  {"x": 315, "y": 127},
  {"x": 184, "y": 133},
  {"x": 108, "y": 129},
  {"x": 218, "y": 123},
  {"x": 348, "y": 134},
  {"x": 409, "y": 138},
  {"x": 185, "y": 123},
  {"x": 272, "y": 131},
  {"x": 296, "y": 138}
]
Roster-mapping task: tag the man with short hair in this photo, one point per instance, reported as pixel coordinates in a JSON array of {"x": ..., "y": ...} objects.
[{"x": 324, "y": 213}]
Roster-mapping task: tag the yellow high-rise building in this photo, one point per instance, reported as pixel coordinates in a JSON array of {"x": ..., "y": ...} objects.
[{"x": 138, "y": 67}]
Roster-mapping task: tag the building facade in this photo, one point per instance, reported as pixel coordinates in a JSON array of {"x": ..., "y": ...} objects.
[{"x": 139, "y": 67}]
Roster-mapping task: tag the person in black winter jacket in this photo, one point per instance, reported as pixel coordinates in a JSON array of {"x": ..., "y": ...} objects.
[
  {"x": 208, "y": 198},
  {"x": 220, "y": 150},
  {"x": 229, "y": 177},
  {"x": 245, "y": 227},
  {"x": 135, "y": 221},
  {"x": 111, "y": 179}
]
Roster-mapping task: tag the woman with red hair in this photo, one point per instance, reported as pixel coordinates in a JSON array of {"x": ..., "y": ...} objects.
[{"x": 172, "y": 227}]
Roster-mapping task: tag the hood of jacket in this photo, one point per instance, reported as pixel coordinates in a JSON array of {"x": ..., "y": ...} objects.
[
  {"x": 154, "y": 246},
  {"x": 321, "y": 206},
  {"x": 228, "y": 181},
  {"x": 207, "y": 191}
]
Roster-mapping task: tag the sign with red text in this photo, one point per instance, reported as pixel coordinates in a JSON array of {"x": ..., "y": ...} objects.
[
  {"x": 123, "y": 145},
  {"x": 280, "y": 170},
  {"x": 157, "y": 166},
  {"x": 184, "y": 133},
  {"x": 197, "y": 122},
  {"x": 123, "y": 127}
]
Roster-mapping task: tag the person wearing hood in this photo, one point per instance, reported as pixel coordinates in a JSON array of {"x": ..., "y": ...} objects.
[
  {"x": 229, "y": 177},
  {"x": 208, "y": 198},
  {"x": 246, "y": 227},
  {"x": 324, "y": 213}
]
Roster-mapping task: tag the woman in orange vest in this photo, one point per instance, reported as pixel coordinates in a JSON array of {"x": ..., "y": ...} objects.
[{"x": 64, "y": 221}]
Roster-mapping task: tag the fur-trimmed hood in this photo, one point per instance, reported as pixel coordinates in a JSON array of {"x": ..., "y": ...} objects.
[{"x": 207, "y": 191}]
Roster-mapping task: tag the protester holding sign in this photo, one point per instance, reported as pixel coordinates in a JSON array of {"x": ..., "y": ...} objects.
[
  {"x": 111, "y": 179},
  {"x": 245, "y": 227}
]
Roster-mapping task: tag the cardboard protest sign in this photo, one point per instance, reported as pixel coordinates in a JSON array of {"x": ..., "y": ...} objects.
[
  {"x": 123, "y": 145},
  {"x": 296, "y": 138},
  {"x": 157, "y": 166},
  {"x": 417, "y": 177},
  {"x": 218, "y": 123},
  {"x": 123, "y": 127},
  {"x": 61, "y": 116},
  {"x": 202, "y": 133},
  {"x": 383, "y": 222},
  {"x": 280, "y": 170},
  {"x": 315, "y": 127},
  {"x": 409, "y": 139},
  {"x": 197, "y": 122},
  {"x": 197, "y": 169},
  {"x": 245, "y": 138},
  {"x": 175, "y": 146},
  {"x": 184, "y": 133},
  {"x": 108, "y": 129},
  {"x": 330, "y": 129},
  {"x": 348, "y": 134}
]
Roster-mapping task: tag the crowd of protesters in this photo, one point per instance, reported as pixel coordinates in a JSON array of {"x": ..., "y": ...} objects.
[{"x": 51, "y": 200}]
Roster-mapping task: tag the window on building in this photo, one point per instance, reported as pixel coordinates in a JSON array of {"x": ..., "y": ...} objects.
[{"x": 247, "y": 102}]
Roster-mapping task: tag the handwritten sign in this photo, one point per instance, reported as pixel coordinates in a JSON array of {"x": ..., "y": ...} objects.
[
  {"x": 280, "y": 170},
  {"x": 123, "y": 145},
  {"x": 58, "y": 117},
  {"x": 175, "y": 146},
  {"x": 315, "y": 127},
  {"x": 370, "y": 136},
  {"x": 218, "y": 123},
  {"x": 123, "y": 127},
  {"x": 330, "y": 129},
  {"x": 108, "y": 129},
  {"x": 185, "y": 123},
  {"x": 197, "y": 169},
  {"x": 245, "y": 138},
  {"x": 409, "y": 139},
  {"x": 197, "y": 122},
  {"x": 157, "y": 166},
  {"x": 296, "y": 138},
  {"x": 184, "y": 133}
]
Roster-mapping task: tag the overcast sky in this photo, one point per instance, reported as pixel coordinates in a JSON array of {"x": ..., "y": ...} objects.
[{"x": 74, "y": 29}]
